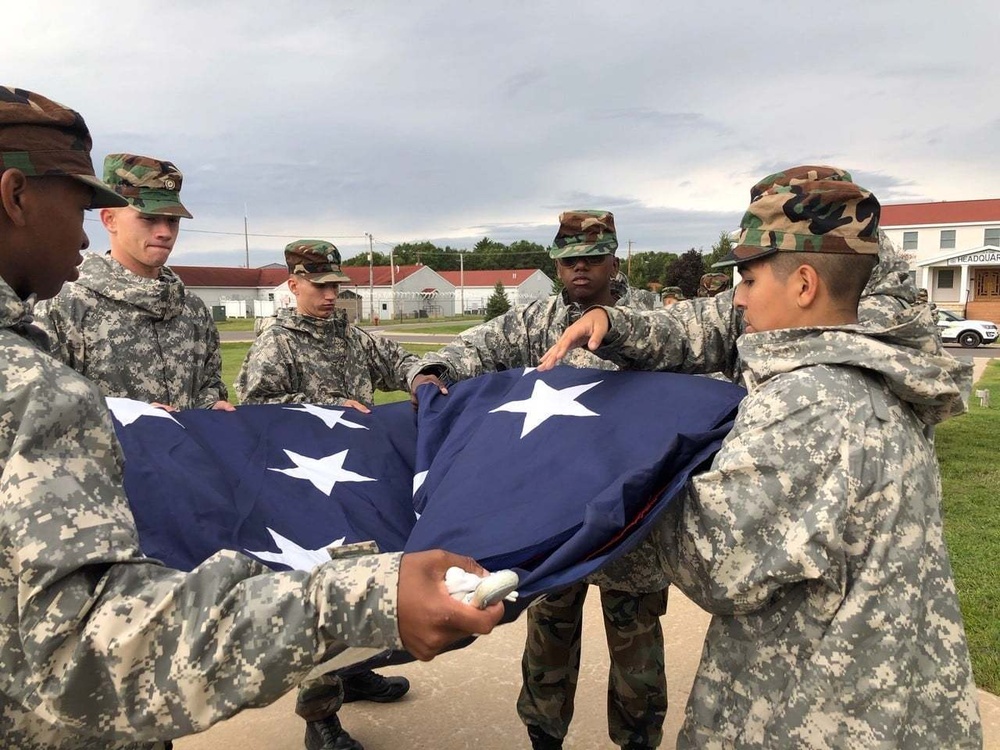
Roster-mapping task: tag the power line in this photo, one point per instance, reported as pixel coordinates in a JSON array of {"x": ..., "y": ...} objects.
[{"x": 256, "y": 234}]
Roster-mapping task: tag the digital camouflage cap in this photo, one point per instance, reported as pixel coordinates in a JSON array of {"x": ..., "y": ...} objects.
[
  {"x": 584, "y": 233},
  {"x": 315, "y": 260},
  {"x": 43, "y": 138},
  {"x": 151, "y": 186},
  {"x": 713, "y": 283},
  {"x": 811, "y": 209}
]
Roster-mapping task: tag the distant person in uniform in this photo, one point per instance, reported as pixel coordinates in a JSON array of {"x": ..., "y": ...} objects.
[
  {"x": 671, "y": 295},
  {"x": 102, "y": 647},
  {"x": 712, "y": 284}
]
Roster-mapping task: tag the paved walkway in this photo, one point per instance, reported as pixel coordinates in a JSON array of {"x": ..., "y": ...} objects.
[{"x": 466, "y": 699}]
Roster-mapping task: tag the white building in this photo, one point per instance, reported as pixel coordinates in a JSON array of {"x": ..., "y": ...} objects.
[
  {"x": 954, "y": 248},
  {"x": 474, "y": 288},
  {"x": 242, "y": 292},
  {"x": 403, "y": 292}
]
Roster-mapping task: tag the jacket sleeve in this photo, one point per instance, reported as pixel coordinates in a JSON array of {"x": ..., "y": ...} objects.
[
  {"x": 770, "y": 512},
  {"x": 269, "y": 374},
  {"x": 212, "y": 388},
  {"x": 695, "y": 336},
  {"x": 158, "y": 653},
  {"x": 499, "y": 344},
  {"x": 388, "y": 362}
]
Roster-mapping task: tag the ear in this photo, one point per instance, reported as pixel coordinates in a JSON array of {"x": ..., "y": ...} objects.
[
  {"x": 615, "y": 263},
  {"x": 806, "y": 282},
  {"x": 293, "y": 285},
  {"x": 13, "y": 186},
  {"x": 108, "y": 219}
]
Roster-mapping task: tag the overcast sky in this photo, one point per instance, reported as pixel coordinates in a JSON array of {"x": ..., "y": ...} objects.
[{"x": 453, "y": 120}]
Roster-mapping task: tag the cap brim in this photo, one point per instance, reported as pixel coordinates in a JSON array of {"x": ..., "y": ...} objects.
[
  {"x": 744, "y": 254},
  {"x": 104, "y": 197},
  {"x": 576, "y": 251},
  {"x": 162, "y": 208},
  {"x": 326, "y": 278}
]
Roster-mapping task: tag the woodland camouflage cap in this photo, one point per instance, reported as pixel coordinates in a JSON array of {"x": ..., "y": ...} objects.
[
  {"x": 712, "y": 283},
  {"x": 811, "y": 209},
  {"x": 151, "y": 186},
  {"x": 41, "y": 138},
  {"x": 672, "y": 291},
  {"x": 315, "y": 260},
  {"x": 584, "y": 233}
]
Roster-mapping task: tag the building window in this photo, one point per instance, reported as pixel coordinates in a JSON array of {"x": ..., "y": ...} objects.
[
  {"x": 946, "y": 278},
  {"x": 992, "y": 236},
  {"x": 947, "y": 239},
  {"x": 909, "y": 240}
]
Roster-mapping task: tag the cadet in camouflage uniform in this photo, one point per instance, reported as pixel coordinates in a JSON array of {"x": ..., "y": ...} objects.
[
  {"x": 633, "y": 589},
  {"x": 711, "y": 284},
  {"x": 816, "y": 537},
  {"x": 672, "y": 295},
  {"x": 101, "y": 647},
  {"x": 128, "y": 323},
  {"x": 313, "y": 355}
]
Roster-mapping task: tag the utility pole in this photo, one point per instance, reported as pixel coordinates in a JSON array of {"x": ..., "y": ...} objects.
[
  {"x": 461, "y": 282},
  {"x": 246, "y": 234},
  {"x": 371, "y": 280},
  {"x": 392, "y": 279},
  {"x": 628, "y": 266}
]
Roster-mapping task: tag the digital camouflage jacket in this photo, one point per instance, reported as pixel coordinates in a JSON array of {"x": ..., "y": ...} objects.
[
  {"x": 301, "y": 359},
  {"x": 518, "y": 338},
  {"x": 816, "y": 537},
  {"x": 103, "y": 648},
  {"x": 147, "y": 339}
]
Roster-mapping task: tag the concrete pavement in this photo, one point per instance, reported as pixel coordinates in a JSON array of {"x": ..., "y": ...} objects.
[{"x": 466, "y": 699}]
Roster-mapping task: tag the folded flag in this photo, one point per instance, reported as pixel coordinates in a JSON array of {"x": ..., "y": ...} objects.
[{"x": 552, "y": 474}]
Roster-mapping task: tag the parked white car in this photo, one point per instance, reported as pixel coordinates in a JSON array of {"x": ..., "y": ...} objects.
[{"x": 968, "y": 333}]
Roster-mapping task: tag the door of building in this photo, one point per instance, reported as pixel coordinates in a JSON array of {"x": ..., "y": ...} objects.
[{"x": 985, "y": 300}]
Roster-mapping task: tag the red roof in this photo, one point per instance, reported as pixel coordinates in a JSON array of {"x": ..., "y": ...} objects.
[
  {"x": 941, "y": 212},
  {"x": 275, "y": 275},
  {"x": 381, "y": 275},
  {"x": 510, "y": 277},
  {"x": 221, "y": 276}
]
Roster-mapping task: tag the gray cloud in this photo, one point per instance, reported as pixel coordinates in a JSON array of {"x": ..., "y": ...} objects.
[{"x": 449, "y": 121}]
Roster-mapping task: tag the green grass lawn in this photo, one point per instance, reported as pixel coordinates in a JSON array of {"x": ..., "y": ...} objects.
[
  {"x": 235, "y": 324},
  {"x": 970, "y": 474}
]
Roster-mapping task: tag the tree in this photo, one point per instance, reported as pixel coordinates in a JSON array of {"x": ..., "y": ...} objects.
[
  {"x": 498, "y": 303},
  {"x": 686, "y": 272},
  {"x": 361, "y": 259},
  {"x": 647, "y": 268},
  {"x": 720, "y": 250}
]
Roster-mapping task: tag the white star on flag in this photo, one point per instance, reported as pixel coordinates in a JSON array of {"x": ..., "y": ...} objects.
[
  {"x": 295, "y": 556},
  {"x": 127, "y": 410},
  {"x": 330, "y": 417},
  {"x": 546, "y": 402},
  {"x": 324, "y": 472}
]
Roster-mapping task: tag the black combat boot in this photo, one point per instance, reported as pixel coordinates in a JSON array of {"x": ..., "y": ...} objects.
[
  {"x": 369, "y": 686},
  {"x": 541, "y": 740},
  {"x": 328, "y": 734}
]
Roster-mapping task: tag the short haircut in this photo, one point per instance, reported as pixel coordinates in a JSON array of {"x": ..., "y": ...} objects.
[{"x": 845, "y": 274}]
